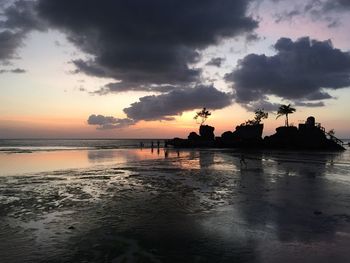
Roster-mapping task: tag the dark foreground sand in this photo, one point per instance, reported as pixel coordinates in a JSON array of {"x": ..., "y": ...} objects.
[{"x": 200, "y": 206}]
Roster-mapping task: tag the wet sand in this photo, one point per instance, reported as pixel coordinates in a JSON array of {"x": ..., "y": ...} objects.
[{"x": 187, "y": 206}]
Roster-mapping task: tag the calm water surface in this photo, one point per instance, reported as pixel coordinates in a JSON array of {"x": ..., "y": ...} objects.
[{"x": 41, "y": 161}]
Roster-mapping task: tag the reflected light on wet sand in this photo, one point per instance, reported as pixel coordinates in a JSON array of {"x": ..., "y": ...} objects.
[{"x": 41, "y": 161}]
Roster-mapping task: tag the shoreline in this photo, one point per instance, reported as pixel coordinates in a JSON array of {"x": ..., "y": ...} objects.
[{"x": 48, "y": 160}]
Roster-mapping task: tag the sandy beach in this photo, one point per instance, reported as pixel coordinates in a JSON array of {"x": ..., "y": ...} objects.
[{"x": 179, "y": 206}]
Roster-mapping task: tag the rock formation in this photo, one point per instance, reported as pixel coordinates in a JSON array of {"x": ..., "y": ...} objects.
[{"x": 309, "y": 135}]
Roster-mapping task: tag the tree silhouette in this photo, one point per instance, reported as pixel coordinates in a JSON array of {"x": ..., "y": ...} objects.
[
  {"x": 260, "y": 114},
  {"x": 202, "y": 115},
  {"x": 285, "y": 110}
]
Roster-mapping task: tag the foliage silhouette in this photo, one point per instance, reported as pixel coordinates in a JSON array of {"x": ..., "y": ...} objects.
[
  {"x": 284, "y": 110},
  {"x": 260, "y": 114},
  {"x": 202, "y": 115}
]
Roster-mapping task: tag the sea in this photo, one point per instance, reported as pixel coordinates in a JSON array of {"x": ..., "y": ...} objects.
[
  {"x": 72, "y": 144},
  {"x": 28, "y": 156},
  {"x": 30, "y": 145}
]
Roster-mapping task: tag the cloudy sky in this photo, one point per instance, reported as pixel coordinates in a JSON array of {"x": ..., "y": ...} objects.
[{"x": 131, "y": 69}]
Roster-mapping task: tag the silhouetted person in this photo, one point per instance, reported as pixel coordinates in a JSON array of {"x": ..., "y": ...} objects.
[
  {"x": 141, "y": 145},
  {"x": 158, "y": 152},
  {"x": 152, "y": 145},
  {"x": 242, "y": 161},
  {"x": 158, "y": 144},
  {"x": 178, "y": 153},
  {"x": 166, "y": 153}
]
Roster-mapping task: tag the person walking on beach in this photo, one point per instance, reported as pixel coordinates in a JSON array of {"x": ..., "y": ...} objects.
[
  {"x": 158, "y": 144},
  {"x": 242, "y": 161}
]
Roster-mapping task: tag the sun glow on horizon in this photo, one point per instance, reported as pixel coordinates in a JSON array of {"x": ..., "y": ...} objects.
[{"x": 53, "y": 98}]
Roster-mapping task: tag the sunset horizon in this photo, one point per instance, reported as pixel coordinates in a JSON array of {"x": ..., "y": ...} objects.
[{"x": 53, "y": 81}]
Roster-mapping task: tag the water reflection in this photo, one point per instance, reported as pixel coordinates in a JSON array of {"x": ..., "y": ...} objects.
[
  {"x": 98, "y": 156},
  {"x": 206, "y": 159},
  {"x": 302, "y": 199},
  {"x": 291, "y": 198},
  {"x": 252, "y": 182},
  {"x": 285, "y": 195},
  {"x": 41, "y": 161}
]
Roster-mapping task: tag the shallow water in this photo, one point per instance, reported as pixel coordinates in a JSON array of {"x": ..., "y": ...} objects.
[
  {"x": 71, "y": 144},
  {"x": 186, "y": 206},
  {"x": 17, "y": 163}
]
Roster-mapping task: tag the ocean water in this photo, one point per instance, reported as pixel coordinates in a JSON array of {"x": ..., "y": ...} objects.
[
  {"x": 76, "y": 144},
  {"x": 68, "y": 144},
  {"x": 33, "y": 156},
  {"x": 27, "y": 156}
]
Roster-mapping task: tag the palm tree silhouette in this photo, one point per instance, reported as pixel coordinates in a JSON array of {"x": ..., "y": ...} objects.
[{"x": 285, "y": 110}]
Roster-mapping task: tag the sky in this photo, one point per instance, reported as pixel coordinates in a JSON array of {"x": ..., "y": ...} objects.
[{"x": 142, "y": 69}]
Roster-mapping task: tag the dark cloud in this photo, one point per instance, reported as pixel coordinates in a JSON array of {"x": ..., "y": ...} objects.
[
  {"x": 337, "y": 5},
  {"x": 333, "y": 23},
  {"x": 118, "y": 87},
  {"x": 301, "y": 70},
  {"x": 263, "y": 104},
  {"x": 215, "y": 62},
  {"x": 140, "y": 81},
  {"x": 165, "y": 106},
  {"x": 3, "y": 4},
  {"x": 22, "y": 16},
  {"x": 109, "y": 122},
  {"x": 287, "y": 15},
  {"x": 252, "y": 37},
  {"x": 309, "y": 104},
  {"x": 327, "y": 11},
  {"x": 318, "y": 10},
  {"x": 19, "y": 18},
  {"x": 16, "y": 71},
  {"x": 9, "y": 42},
  {"x": 89, "y": 68},
  {"x": 146, "y": 42}
]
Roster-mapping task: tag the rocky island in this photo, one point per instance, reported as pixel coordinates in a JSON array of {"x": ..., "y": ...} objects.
[{"x": 307, "y": 136}]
